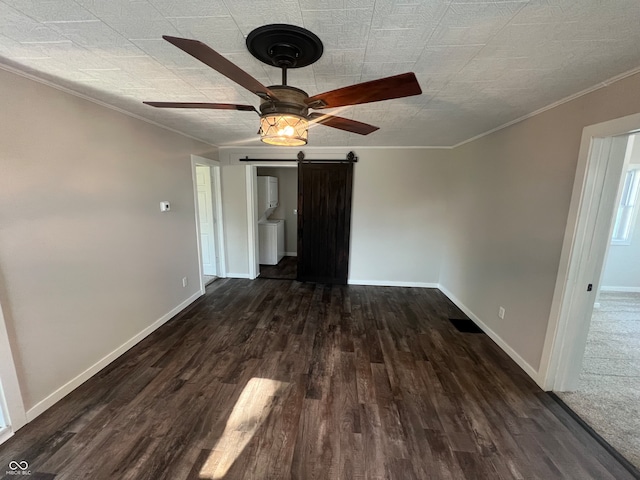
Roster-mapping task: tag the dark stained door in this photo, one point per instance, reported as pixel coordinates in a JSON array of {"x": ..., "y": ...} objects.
[{"x": 324, "y": 221}]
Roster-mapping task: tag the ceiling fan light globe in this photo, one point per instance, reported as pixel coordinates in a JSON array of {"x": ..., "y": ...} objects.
[
  {"x": 284, "y": 130},
  {"x": 287, "y": 131}
]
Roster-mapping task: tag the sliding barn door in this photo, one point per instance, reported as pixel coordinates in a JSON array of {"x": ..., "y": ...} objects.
[{"x": 324, "y": 221}]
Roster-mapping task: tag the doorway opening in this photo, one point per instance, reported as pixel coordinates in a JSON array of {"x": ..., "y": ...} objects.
[
  {"x": 607, "y": 391},
  {"x": 277, "y": 221},
  {"x": 598, "y": 195},
  {"x": 208, "y": 207},
  {"x": 322, "y": 218},
  {"x": 599, "y": 188}
]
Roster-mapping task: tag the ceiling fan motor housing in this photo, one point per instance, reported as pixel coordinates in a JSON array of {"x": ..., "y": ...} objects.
[
  {"x": 290, "y": 100},
  {"x": 284, "y": 55}
]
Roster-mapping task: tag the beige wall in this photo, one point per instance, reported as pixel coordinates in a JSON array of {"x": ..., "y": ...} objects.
[
  {"x": 398, "y": 216},
  {"x": 507, "y": 210},
  {"x": 87, "y": 260}
]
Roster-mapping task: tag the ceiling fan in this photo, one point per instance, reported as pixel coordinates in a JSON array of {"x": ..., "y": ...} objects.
[{"x": 284, "y": 110}]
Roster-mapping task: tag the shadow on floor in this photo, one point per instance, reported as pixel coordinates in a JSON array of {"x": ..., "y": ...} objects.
[{"x": 286, "y": 269}]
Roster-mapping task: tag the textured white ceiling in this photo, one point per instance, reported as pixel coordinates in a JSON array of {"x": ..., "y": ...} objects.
[{"x": 481, "y": 64}]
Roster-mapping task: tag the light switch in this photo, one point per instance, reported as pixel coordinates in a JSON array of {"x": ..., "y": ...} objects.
[{"x": 165, "y": 206}]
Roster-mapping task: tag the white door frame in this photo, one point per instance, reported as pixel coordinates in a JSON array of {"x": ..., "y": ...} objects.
[
  {"x": 11, "y": 402},
  {"x": 252, "y": 220},
  {"x": 251, "y": 174},
  {"x": 566, "y": 333},
  {"x": 216, "y": 184},
  {"x": 208, "y": 238}
]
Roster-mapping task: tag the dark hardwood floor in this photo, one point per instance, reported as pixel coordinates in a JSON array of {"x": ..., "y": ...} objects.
[
  {"x": 278, "y": 379},
  {"x": 286, "y": 269}
]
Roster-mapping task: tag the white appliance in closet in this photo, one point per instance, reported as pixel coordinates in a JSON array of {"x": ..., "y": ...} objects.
[
  {"x": 270, "y": 232},
  {"x": 267, "y": 194},
  {"x": 271, "y": 241}
]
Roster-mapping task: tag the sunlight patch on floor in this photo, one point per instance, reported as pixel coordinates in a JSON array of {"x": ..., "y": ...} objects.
[{"x": 249, "y": 413}]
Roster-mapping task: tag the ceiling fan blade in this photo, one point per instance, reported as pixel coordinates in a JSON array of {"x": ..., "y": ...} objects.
[
  {"x": 213, "y": 106},
  {"x": 342, "y": 123},
  {"x": 398, "y": 86},
  {"x": 210, "y": 57}
]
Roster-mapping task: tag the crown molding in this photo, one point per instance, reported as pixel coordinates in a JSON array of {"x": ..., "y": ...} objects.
[
  {"x": 49, "y": 83},
  {"x": 582, "y": 93}
]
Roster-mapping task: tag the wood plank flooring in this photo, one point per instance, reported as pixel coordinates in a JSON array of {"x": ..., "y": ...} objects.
[
  {"x": 273, "y": 379},
  {"x": 286, "y": 269}
]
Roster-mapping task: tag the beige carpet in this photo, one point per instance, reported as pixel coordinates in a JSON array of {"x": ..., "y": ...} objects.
[{"x": 608, "y": 395}]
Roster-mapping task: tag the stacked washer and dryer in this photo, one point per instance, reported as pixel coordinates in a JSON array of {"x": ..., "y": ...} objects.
[{"x": 270, "y": 232}]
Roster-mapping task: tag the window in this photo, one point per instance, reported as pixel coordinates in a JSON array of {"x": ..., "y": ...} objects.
[{"x": 623, "y": 228}]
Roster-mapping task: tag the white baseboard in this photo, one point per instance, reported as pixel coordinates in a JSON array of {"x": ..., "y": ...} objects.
[
  {"x": 620, "y": 289},
  {"x": 67, "y": 388},
  {"x": 389, "y": 283},
  {"x": 238, "y": 275},
  {"x": 522, "y": 363},
  {"x": 290, "y": 254}
]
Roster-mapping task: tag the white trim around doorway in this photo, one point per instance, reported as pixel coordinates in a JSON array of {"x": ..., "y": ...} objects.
[
  {"x": 11, "y": 401},
  {"x": 560, "y": 353},
  {"x": 252, "y": 221},
  {"x": 217, "y": 208}
]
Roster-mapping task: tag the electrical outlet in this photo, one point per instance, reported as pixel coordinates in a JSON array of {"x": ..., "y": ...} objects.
[
  {"x": 184, "y": 281},
  {"x": 501, "y": 312}
]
